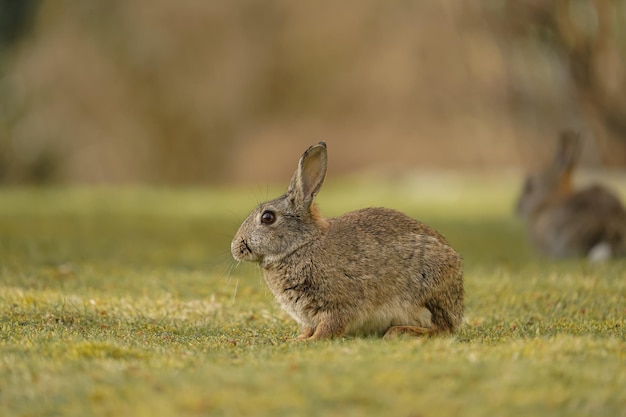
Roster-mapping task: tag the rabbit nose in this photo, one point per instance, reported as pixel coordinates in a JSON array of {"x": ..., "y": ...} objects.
[
  {"x": 240, "y": 249},
  {"x": 245, "y": 245}
]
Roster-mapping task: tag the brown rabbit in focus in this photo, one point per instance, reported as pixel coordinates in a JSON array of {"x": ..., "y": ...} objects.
[
  {"x": 563, "y": 222},
  {"x": 371, "y": 271}
]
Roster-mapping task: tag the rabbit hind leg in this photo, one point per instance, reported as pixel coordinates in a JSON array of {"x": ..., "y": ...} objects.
[{"x": 414, "y": 331}]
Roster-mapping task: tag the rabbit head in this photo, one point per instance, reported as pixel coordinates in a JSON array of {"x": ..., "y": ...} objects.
[
  {"x": 280, "y": 226},
  {"x": 554, "y": 182}
]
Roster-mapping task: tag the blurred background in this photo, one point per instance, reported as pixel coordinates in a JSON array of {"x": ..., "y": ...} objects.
[{"x": 220, "y": 92}]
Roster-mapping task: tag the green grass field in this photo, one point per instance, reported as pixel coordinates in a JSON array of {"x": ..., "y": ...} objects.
[{"x": 125, "y": 302}]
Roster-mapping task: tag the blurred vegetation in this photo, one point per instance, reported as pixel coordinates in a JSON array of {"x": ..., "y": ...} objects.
[
  {"x": 15, "y": 20},
  {"x": 122, "y": 91},
  {"x": 589, "y": 37}
]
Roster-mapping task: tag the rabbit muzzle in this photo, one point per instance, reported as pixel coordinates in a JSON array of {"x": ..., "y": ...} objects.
[{"x": 241, "y": 251}]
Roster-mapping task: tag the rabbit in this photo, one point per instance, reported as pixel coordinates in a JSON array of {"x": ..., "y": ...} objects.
[
  {"x": 373, "y": 271},
  {"x": 564, "y": 223}
]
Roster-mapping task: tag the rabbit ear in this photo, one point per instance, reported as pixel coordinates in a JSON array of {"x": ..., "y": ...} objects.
[
  {"x": 308, "y": 178},
  {"x": 568, "y": 152}
]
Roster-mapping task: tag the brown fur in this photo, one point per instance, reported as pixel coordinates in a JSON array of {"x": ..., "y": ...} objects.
[{"x": 371, "y": 271}]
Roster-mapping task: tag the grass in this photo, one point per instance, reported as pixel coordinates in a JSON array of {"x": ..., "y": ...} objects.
[{"x": 125, "y": 302}]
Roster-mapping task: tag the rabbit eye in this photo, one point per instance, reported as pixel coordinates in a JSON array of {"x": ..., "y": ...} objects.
[{"x": 268, "y": 217}]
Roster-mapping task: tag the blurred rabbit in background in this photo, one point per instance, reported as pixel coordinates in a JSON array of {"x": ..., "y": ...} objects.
[{"x": 563, "y": 222}]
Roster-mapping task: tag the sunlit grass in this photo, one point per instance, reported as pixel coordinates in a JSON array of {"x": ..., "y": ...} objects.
[{"x": 126, "y": 302}]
